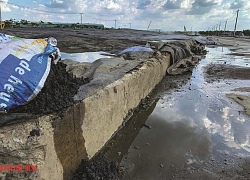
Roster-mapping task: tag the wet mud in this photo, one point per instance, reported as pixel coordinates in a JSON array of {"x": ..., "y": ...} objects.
[
  {"x": 221, "y": 71},
  {"x": 98, "y": 168}
]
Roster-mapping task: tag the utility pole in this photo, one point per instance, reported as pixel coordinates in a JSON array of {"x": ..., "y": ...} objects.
[
  {"x": 115, "y": 23},
  {"x": 0, "y": 15},
  {"x": 130, "y": 25},
  {"x": 225, "y": 27},
  {"x": 219, "y": 29},
  {"x": 236, "y": 21},
  {"x": 149, "y": 25},
  {"x": 81, "y": 17}
]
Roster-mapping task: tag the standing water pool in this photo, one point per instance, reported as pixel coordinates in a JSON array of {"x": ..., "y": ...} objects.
[{"x": 194, "y": 129}]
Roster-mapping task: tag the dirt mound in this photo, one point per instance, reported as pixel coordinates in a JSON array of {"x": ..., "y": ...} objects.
[
  {"x": 58, "y": 92},
  {"x": 97, "y": 168}
]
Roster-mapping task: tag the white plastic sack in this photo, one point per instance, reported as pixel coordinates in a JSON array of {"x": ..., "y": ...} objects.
[{"x": 24, "y": 67}]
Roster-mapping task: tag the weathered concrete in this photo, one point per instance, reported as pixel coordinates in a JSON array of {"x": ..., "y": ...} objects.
[
  {"x": 107, "y": 109},
  {"x": 19, "y": 147},
  {"x": 57, "y": 143}
]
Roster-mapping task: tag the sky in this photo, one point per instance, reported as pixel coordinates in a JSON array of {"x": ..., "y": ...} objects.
[{"x": 167, "y": 15}]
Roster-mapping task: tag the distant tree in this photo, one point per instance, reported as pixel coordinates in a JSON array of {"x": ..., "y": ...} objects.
[
  {"x": 246, "y": 32},
  {"x": 41, "y": 23},
  {"x": 73, "y": 26},
  {"x": 9, "y": 23},
  {"x": 33, "y": 24},
  {"x": 203, "y": 32},
  {"x": 24, "y": 22},
  {"x": 17, "y": 24}
]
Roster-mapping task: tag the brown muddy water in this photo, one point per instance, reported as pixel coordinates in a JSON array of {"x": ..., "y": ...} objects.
[{"x": 192, "y": 128}]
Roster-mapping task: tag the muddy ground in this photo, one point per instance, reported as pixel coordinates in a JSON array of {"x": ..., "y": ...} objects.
[
  {"x": 86, "y": 40},
  {"x": 114, "y": 41},
  {"x": 239, "y": 47}
]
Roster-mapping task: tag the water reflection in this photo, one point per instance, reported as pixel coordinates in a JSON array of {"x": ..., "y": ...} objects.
[
  {"x": 85, "y": 57},
  {"x": 191, "y": 125},
  {"x": 222, "y": 55}
]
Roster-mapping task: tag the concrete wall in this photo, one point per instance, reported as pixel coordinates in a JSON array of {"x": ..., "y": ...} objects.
[{"x": 57, "y": 143}]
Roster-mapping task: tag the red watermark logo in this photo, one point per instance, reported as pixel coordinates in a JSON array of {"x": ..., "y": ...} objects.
[{"x": 17, "y": 168}]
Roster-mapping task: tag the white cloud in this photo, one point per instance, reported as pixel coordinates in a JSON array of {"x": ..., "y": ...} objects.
[
  {"x": 143, "y": 4},
  {"x": 240, "y": 4},
  {"x": 186, "y": 4},
  {"x": 200, "y": 7},
  {"x": 4, "y": 7},
  {"x": 178, "y": 4},
  {"x": 165, "y": 14},
  {"x": 58, "y": 1},
  {"x": 212, "y": 128}
]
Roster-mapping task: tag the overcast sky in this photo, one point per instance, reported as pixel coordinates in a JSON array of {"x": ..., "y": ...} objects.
[{"x": 168, "y": 15}]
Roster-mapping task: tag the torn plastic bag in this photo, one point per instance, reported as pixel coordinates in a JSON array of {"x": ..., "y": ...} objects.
[{"x": 24, "y": 67}]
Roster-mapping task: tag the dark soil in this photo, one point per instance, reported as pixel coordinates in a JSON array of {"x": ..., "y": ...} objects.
[
  {"x": 223, "y": 71},
  {"x": 98, "y": 168},
  {"x": 58, "y": 92},
  {"x": 85, "y": 40}
]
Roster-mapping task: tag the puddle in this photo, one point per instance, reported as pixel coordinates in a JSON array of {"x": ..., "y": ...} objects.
[
  {"x": 222, "y": 55},
  {"x": 192, "y": 125},
  {"x": 85, "y": 57}
]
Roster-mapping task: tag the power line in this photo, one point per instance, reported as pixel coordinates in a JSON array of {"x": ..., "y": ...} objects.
[
  {"x": 96, "y": 18},
  {"x": 244, "y": 9},
  {"x": 215, "y": 27},
  {"x": 232, "y": 16}
]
